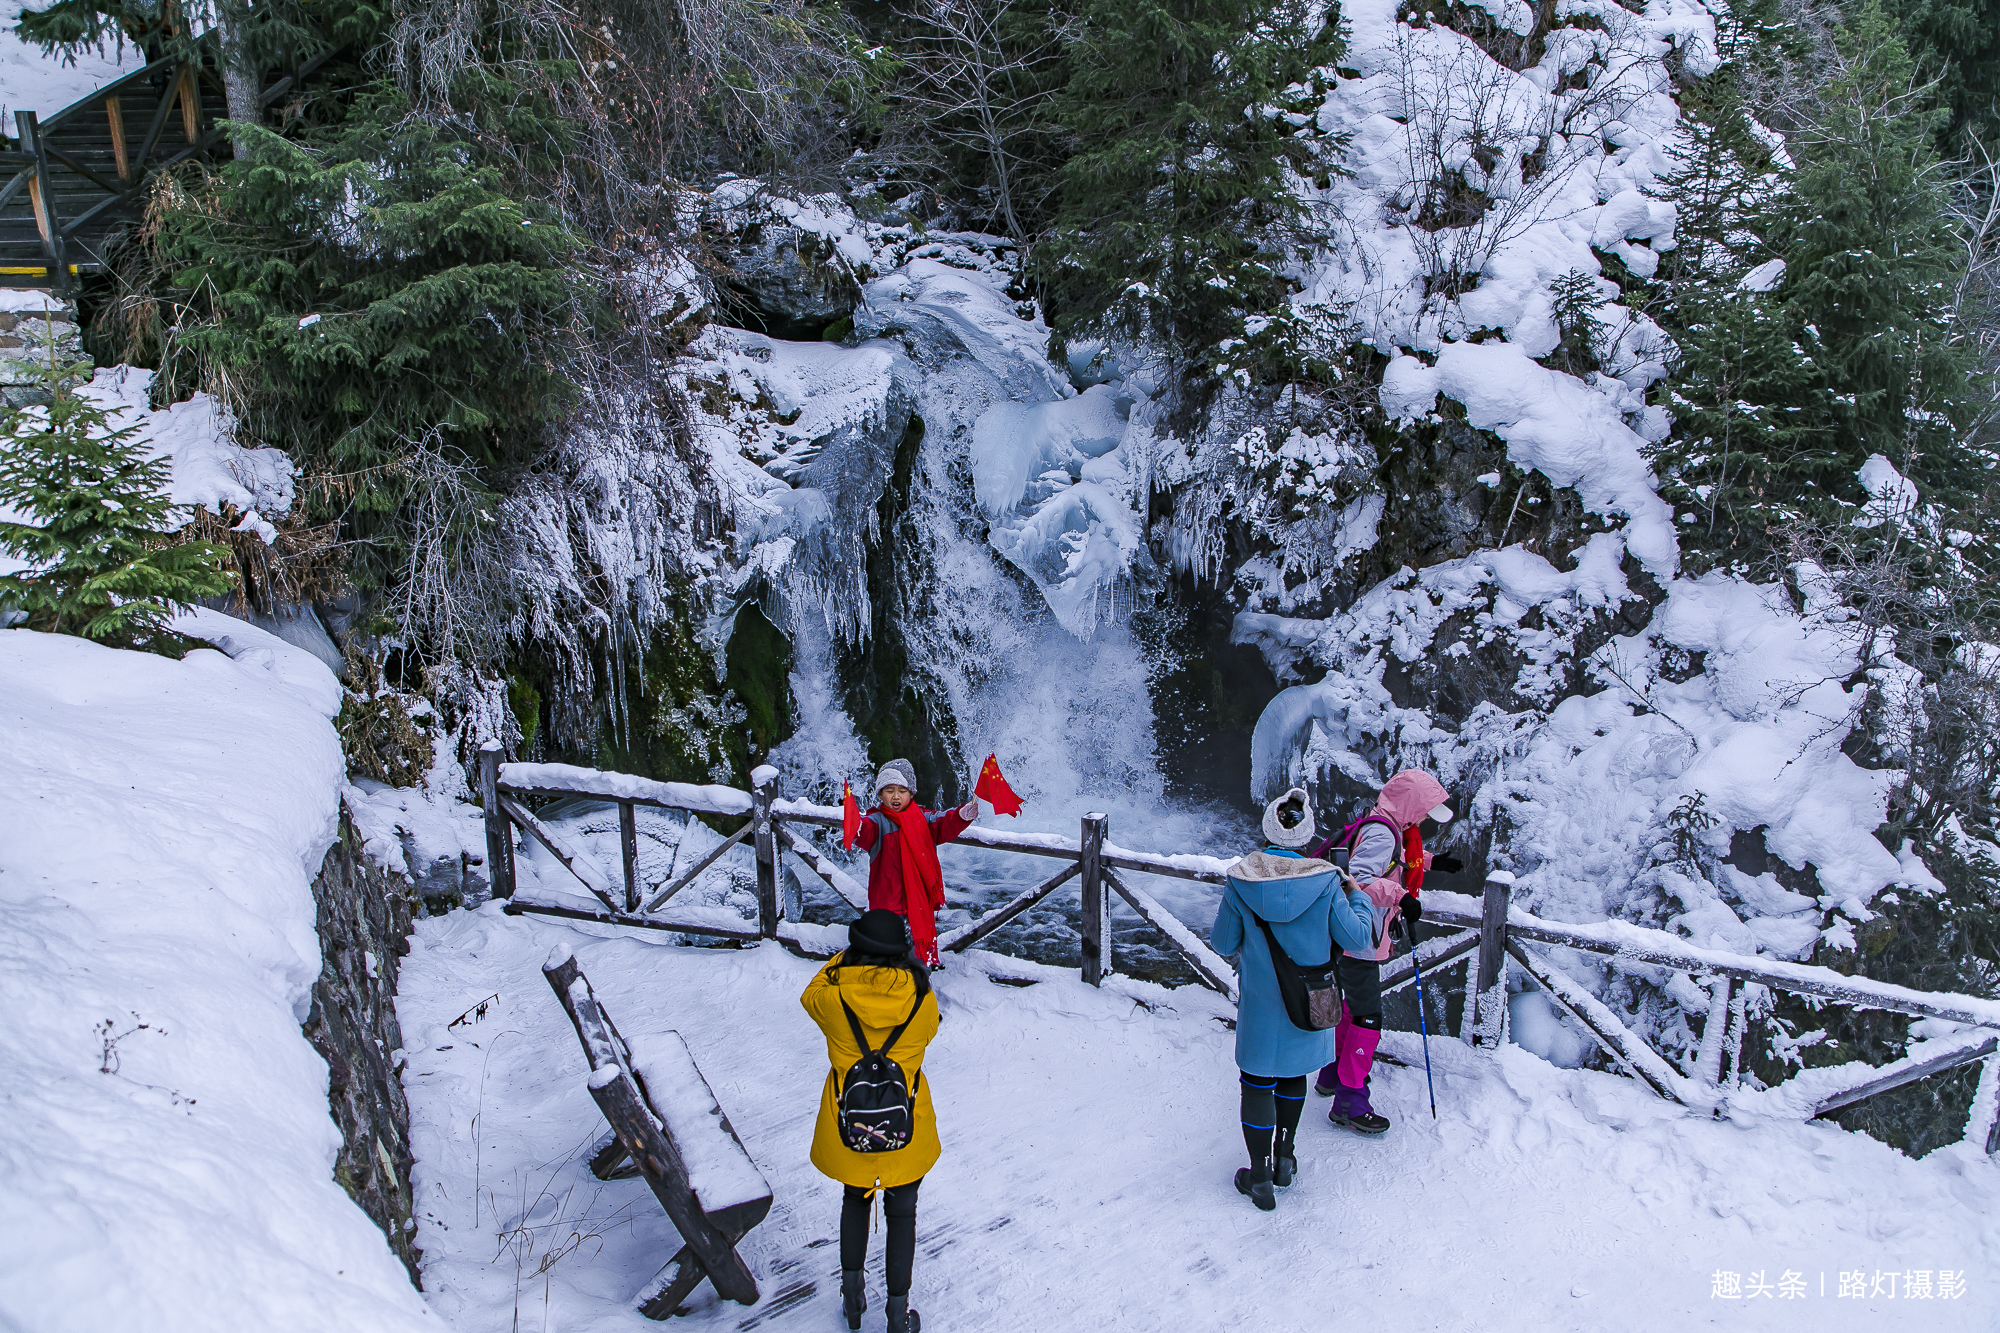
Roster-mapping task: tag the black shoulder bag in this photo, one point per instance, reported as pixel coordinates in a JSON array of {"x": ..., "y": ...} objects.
[{"x": 1311, "y": 994}]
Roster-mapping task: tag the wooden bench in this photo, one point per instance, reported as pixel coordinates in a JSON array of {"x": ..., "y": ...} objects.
[{"x": 667, "y": 1126}]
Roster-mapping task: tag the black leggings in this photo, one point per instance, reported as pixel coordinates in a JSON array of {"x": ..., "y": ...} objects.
[
  {"x": 1271, "y": 1104},
  {"x": 899, "y": 1205}
]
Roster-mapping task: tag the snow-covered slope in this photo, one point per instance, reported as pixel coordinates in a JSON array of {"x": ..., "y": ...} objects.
[
  {"x": 31, "y": 81},
  {"x": 1089, "y": 1136},
  {"x": 1618, "y": 729},
  {"x": 197, "y": 437},
  {"x": 164, "y": 1132}
]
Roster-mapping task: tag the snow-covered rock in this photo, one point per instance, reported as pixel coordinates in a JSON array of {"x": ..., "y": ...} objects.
[{"x": 197, "y": 436}]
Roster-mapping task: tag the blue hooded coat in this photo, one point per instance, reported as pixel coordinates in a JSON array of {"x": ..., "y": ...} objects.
[{"x": 1310, "y": 913}]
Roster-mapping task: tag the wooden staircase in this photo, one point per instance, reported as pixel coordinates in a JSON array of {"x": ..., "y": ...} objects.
[{"x": 77, "y": 180}]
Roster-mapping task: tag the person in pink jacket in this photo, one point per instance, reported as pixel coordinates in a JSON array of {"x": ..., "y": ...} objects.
[{"x": 1381, "y": 844}]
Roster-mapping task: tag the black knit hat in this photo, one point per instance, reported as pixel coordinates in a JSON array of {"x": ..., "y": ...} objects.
[{"x": 879, "y": 933}]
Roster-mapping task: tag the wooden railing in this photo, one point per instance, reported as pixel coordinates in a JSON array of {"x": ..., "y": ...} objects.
[
  {"x": 1496, "y": 931},
  {"x": 1092, "y": 861},
  {"x": 82, "y": 172},
  {"x": 1490, "y": 930}
]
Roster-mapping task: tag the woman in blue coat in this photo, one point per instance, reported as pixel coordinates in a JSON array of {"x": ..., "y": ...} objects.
[{"x": 1311, "y": 912}]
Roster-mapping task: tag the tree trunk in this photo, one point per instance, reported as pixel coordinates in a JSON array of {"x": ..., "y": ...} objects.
[{"x": 241, "y": 80}]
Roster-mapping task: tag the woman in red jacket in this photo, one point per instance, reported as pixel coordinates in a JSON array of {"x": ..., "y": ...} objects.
[{"x": 901, "y": 839}]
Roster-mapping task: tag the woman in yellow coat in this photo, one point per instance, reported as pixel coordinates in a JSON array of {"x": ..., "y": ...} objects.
[{"x": 879, "y": 982}]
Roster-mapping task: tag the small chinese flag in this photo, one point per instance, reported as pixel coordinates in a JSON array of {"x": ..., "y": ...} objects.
[
  {"x": 850, "y": 816},
  {"x": 993, "y": 789}
]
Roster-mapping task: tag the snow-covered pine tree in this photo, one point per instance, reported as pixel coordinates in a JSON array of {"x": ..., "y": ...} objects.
[
  {"x": 104, "y": 562},
  {"x": 1874, "y": 252},
  {"x": 1177, "y": 211},
  {"x": 1814, "y": 308}
]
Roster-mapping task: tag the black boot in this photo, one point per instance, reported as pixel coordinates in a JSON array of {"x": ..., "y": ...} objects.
[
  {"x": 1284, "y": 1161},
  {"x": 1352, "y": 1111},
  {"x": 853, "y": 1297},
  {"x": 902, "y": 1319},
  {"x": 1254, "y": 1182}
]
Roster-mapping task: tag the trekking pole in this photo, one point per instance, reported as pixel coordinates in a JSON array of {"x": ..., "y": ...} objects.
[{"x": 1423, "y": 1022}]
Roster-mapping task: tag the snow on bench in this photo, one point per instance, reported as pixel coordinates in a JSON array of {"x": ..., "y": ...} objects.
[
  {"x": 719, "y": 1170},
  {"x": 667, "y": 1123}
]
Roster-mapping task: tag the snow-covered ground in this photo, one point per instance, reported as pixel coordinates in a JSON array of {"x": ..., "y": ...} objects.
[
  {"x": 165, "y": 1141},
  {"x": 1089, "y": 1140},
  {"x": 31, "y": 81}
]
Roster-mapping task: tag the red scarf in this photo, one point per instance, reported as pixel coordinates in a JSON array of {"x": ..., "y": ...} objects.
[
  {"x": 923, "y": 878},
  {"x": 1413, "y": 859}
]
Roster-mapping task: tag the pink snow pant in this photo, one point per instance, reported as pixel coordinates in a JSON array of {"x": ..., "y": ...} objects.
[{"x": 1353, "y": 1051}]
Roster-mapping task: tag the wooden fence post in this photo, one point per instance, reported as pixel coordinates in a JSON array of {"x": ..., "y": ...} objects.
[
  {"x": 628, "y": 849},
  {"x": 1096, "y": 907},
  {"x": 1487, "y": 1005},
  {"x": 763, "y": 790},
  {"x": 499, "y": 832},
  {"x": 1982, "y": 1122},
  {"x": 42, "y": 198},
  {"x": 1714, "y": 1030},
  {"x": 1739, "y": 1015}
]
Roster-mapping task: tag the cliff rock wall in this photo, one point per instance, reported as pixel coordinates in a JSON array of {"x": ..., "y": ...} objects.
[{"x": 364, "y": 918}]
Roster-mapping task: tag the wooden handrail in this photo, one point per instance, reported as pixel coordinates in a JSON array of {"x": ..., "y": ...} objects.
[
  {"x": 116, "y": 87},
  {"x": 1495, "y": 932},
  {"x": 1639, "y": 944},
  {"x": 1643, "y": 944},
  {"x": 502, "y": 786}
]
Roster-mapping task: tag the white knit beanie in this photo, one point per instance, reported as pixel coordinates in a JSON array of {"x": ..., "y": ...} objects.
[
  {"x": 896, "y": 773},
  {"x": 1299, "y": 834}
]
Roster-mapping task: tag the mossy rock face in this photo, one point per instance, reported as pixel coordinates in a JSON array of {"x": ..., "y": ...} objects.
[
  {"x": 887, "y": 703},
  {"x": 524, "y": 699},
  {"x": 1207, "y": 692},
  {"x": 685, "y": 726},
  {"x": 668, "y": 716},
  {"x": 759, "y": 662}
]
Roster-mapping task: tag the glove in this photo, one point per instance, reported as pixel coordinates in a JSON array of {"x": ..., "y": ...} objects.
[
  {"x": 970, "y": 810},
  {"x": 1449, "y": 865},
  {"x": 1413, "y": 911}
]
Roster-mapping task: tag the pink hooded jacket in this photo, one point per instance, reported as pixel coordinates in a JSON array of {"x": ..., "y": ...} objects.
[{"x": 1405, "y": 799}]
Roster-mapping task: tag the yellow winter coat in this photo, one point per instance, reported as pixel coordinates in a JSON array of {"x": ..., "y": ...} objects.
[{"x": 880, "y": 997}]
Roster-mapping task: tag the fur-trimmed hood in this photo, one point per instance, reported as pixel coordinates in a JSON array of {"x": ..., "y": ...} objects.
[{"x": 1280, "y": 887}]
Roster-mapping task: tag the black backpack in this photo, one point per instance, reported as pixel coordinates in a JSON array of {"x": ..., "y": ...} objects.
[
  {"x": 1311, "y": 994},
  {"x": 878, "y": 1107}
]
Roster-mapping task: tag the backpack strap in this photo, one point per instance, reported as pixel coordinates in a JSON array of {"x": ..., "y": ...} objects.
[
  {"x": 1350, "y": 837},
  {"x": 862, "y": 1041},
  {"x": 859, "y": 1038}
]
